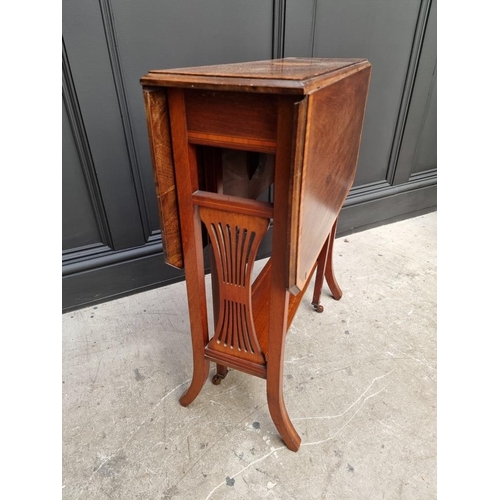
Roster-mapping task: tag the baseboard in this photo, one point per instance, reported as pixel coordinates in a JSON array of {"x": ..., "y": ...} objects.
[{"x": 388, "y": 209}]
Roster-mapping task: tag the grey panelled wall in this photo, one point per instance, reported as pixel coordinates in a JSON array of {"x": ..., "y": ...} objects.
[
  {"x": 111, "y": 237},
  {"x": 418, "y": 149},
  {"x": 399, "y": 38}
]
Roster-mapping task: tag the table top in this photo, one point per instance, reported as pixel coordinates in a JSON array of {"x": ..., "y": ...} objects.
[{"x": 292, "y": 75}]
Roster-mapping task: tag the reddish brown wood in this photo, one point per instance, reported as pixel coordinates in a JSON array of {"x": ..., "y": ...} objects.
[
  {"x": 212, "y": 162},
  {"x": 291, "y": 68},
  {"x": 156, "y": 105},
  {"x": 309, "y": 114},
  {"x": 230, "y": 203},
  {"x": 187, "y": 182},
  {"x": 236, "y": 362},
  {"x": 320, "y": 274},
  {"x": 329, "y": 273},
  {"x": 325, "y": 270},
  {"x": 216, "y": 117},
  {"x": 235, "y": 239},
  {"x": 325, "y": 174},
  {"x": 261, "y": 292},
  {"x": 291, "y": 75},
  {"x": 279, "y": 295},
  {"x": 247, "y": 174},
  {"x": 296, "y": 192},
  {"x": 225, "y": 141}
]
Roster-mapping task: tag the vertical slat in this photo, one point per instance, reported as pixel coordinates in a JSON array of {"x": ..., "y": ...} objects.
[
  {"x": 222, "y": 250},
  {"x": 233, "y": 324},
  {"x": 237, "y": 237},
  {"x": 215, "y": 256},
  {"x": 232, "y": 245},
  {"x": 225, "y": 325},
  {"x": 251, "y": 344},
  {"x": 241, "y": 342},
  {"x": 244, "y": 253}
]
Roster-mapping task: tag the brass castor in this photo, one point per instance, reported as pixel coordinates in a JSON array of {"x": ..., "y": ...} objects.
[
  {"x": 318, "y": 308},
  {"x": 218, "y": 377}
]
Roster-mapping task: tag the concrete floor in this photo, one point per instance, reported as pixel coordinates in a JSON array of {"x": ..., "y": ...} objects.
[{"x": 360, "y": 387}]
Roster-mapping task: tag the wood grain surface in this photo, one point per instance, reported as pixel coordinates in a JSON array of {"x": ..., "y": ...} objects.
[
  {"x": 238, "y": 120},
  {"x": 285, "y": 76},
  {"x": 156, "y": 106},
  {"x": 323, "y": 177}
]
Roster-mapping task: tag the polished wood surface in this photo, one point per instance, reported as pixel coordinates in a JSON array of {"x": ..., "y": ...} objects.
[
  {"x": 187, "y": 181},
  {"x": 214, "y": 118},
  {"x": 324, "y": 175},
  {"x": 284, "y": 76},
  {"x": 156, "y": 106},
  {"x": 291, "y": 68},
  {"x": 235, "y": 239},
  {"x": 293, "y": 122}
]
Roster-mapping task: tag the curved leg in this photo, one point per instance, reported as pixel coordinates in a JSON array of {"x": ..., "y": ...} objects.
[
  {"x": 277, "y": 334},
  {"x": 275, "y": 357},
  {"x": 329, "y": 274},
  {"x": 199, "y": 334},
  {"x": 187, "y": 180},
  {"x": 200, "y": 375},
  {"x": 195, "y": 284},
  {"x": 279, "y": 414}
]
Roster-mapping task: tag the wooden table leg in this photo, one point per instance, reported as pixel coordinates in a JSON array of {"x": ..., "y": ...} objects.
[
  {"x": 195, "y": 284},
  {"x": 187, "y": 182},
  {"x": 279, "y": 295},
  {"x": 329, "y": 273},
  {"x": 325, "y": 271},
  {"x": 320, "y": 275},
  {"x": 213, "y": 179},
  {"x": 275, "y": 359}
]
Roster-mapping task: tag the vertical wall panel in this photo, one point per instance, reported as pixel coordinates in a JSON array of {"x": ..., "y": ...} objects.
[
  {"x": 300, "y": 27},
  {"x": 152, "y": 34},
  {"x": 418, "y": 152},
  {"x": 92, "y": 75},
  {"x": 79, "y": 223},
  {"x": 110, "y": 45},
  {"x": 383, "y": 32},
  {"x": 426, "y": 151}
]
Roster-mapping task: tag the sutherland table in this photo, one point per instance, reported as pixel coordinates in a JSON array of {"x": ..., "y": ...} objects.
[{"x": 219, "y": 137}]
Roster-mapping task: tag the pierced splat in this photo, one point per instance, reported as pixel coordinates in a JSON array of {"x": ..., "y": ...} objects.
[{"x": 235, "y": 239}]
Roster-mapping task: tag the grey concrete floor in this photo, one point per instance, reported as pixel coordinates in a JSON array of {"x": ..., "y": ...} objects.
[{"x": 360, "y": 387}]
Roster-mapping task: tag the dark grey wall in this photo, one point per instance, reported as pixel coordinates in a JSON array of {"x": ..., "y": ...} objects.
[{"x": 111, "y": 240}]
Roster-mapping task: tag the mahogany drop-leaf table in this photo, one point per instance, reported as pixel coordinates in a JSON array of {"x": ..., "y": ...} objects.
[{"x": 220, "y": 136}]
